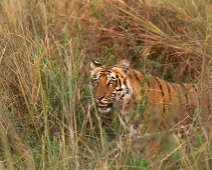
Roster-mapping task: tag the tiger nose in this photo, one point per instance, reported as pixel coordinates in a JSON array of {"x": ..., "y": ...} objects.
[{"x": 99, "y": 97}]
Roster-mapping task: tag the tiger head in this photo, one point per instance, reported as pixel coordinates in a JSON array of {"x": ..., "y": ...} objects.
[{"x": 110, "y": 84}]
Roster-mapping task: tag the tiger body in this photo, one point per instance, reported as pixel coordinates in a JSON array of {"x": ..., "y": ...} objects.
[{"x": 167, "y": 105}]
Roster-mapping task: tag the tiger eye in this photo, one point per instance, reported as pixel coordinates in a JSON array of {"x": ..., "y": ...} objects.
[{"x": 110, "y": 83}]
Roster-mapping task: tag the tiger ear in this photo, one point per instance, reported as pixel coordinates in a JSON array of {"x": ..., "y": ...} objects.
[
  {"x": 94, "y": 64},
  {"x": 124, "y": 65}
]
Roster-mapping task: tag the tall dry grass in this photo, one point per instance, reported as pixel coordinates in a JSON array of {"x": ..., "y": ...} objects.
[{"x": 47, "y": 117}]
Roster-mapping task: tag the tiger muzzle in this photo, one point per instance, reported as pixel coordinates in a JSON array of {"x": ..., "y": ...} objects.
[
  {"x": 105, "y": 108},
  {"x": 99, "y": 98}
]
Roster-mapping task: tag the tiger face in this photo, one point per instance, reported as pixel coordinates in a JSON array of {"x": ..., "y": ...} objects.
[{"x": 109, "y": 84}]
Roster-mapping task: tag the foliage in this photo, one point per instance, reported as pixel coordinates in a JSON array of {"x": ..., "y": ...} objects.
[{"x": 48, "y": 117}]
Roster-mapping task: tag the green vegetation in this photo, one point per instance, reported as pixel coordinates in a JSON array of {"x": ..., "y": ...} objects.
[{"x": 47, "y": 117}]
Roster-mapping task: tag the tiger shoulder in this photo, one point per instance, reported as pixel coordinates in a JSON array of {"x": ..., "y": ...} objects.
[{"x": 126, "y": 89}]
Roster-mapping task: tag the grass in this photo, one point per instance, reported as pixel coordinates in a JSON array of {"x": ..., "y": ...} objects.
[{"x": 47, "y": 118}]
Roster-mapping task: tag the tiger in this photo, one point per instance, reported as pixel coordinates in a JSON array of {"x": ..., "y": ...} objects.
[{"x": 167, "y": 105}]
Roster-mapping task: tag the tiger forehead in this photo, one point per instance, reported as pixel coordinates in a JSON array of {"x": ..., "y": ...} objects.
[{"x": 110, "y": 70}]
